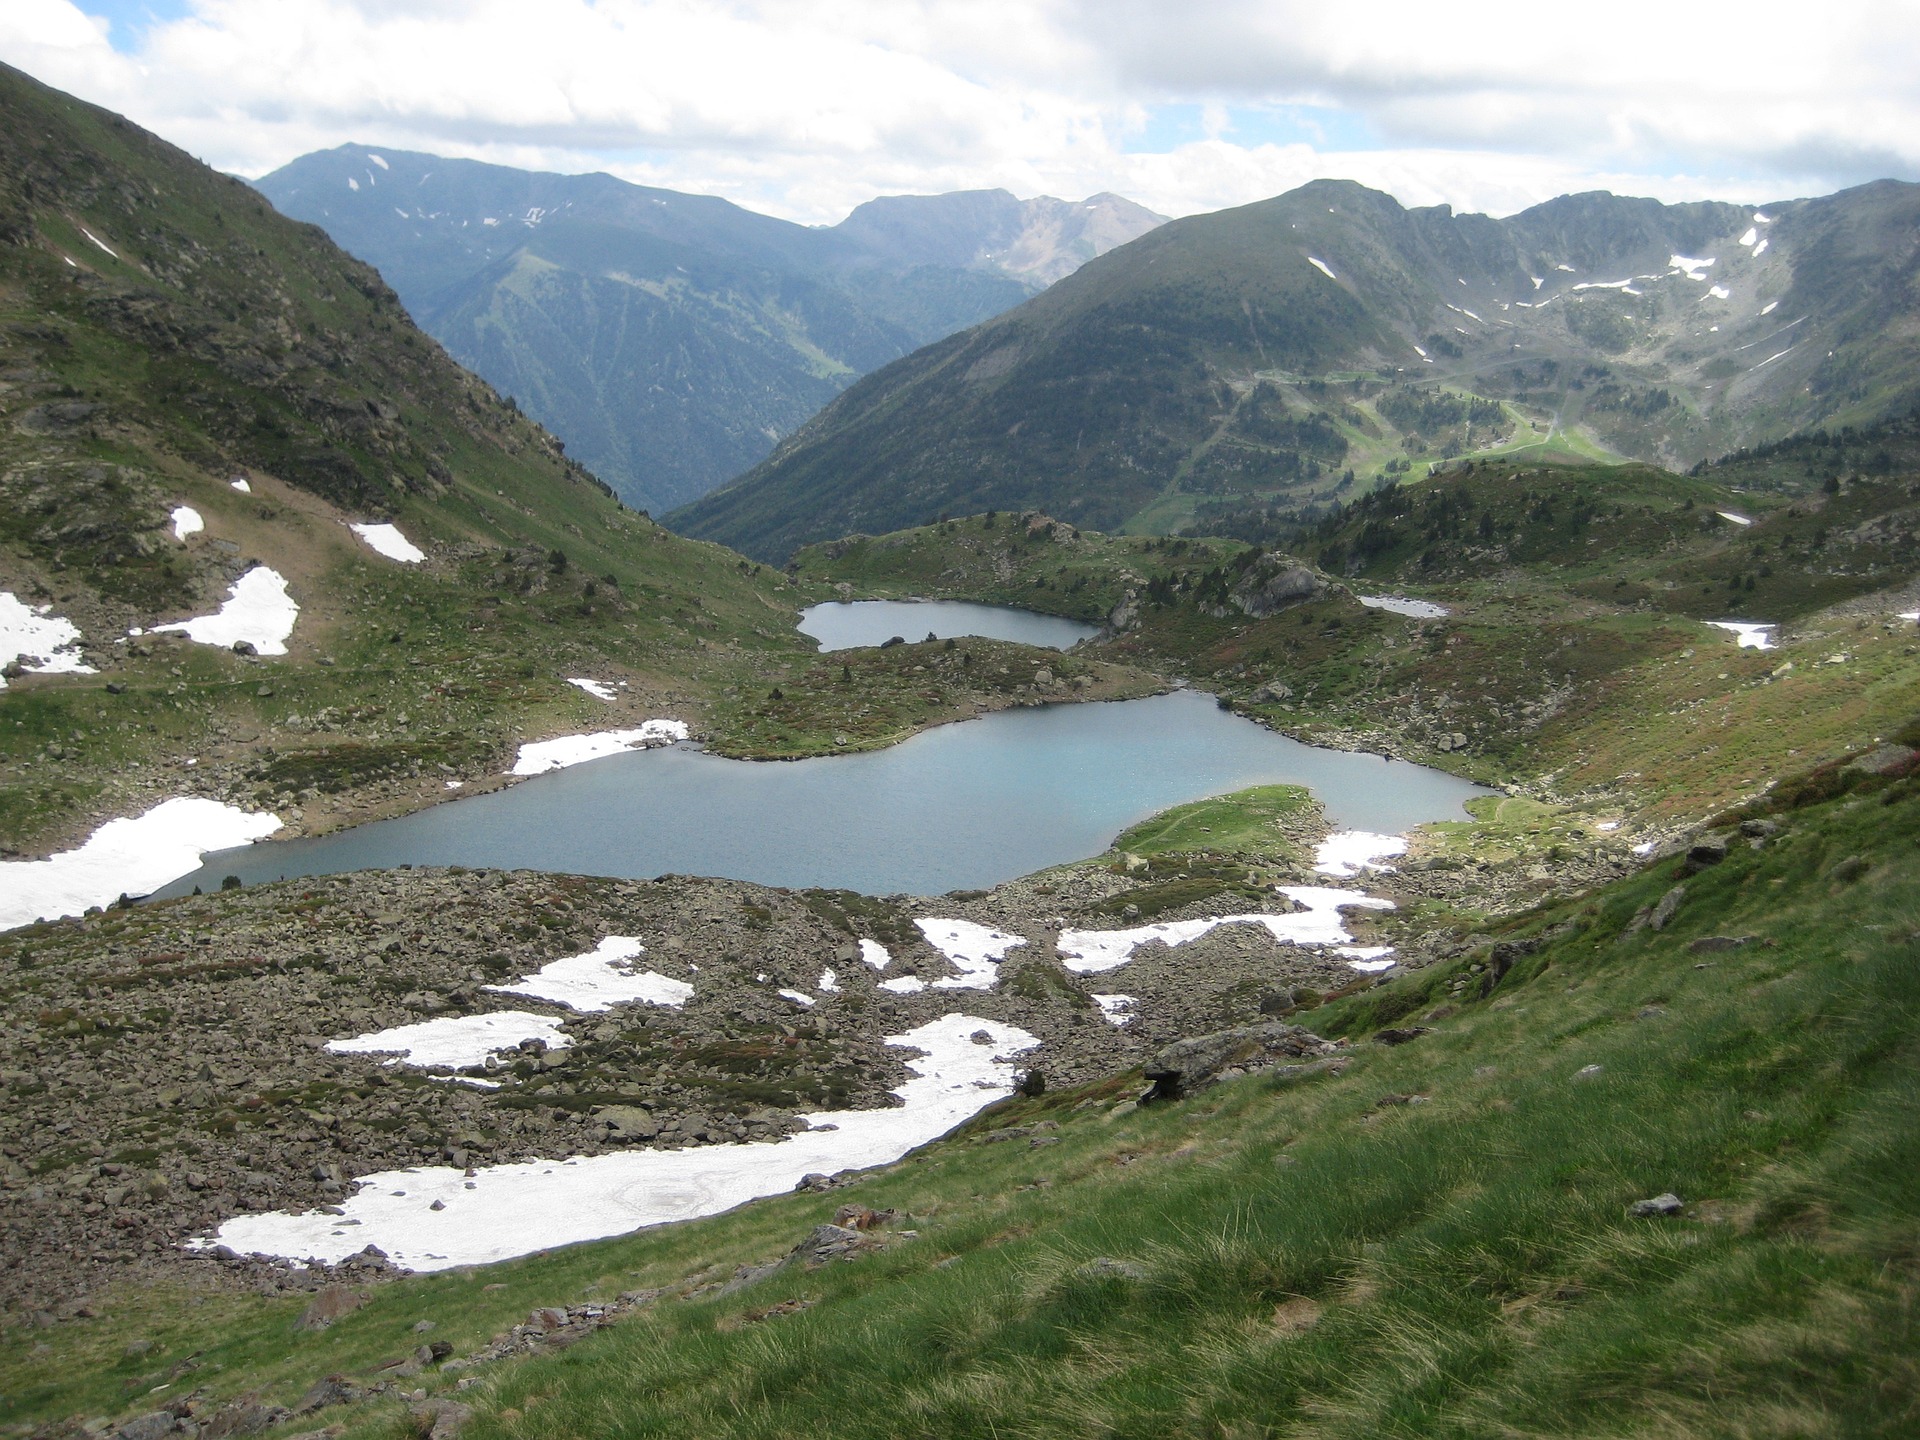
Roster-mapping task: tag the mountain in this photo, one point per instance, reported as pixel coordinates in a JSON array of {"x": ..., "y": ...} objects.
[
  {"x": 672, "y": 339},
  {"x": 196, "y": 392},
  {"x": 1280, "y": 354}
]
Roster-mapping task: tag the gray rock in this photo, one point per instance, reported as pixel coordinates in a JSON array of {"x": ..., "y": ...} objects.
[
  {"x": 1274, "y": 583},
  {"x": 150, "y": 1426},
  {"x": 1702, "y": 856},
  {"x": 830, "y": 1242},
  {"x": 1667, "y": 907},
  {"x": 1589, "y": 1072},
  {"x": 333, "y": 1390},
  {"x": 328, "y": 1306},
  {"x": 1667, "y": 1204},
  {"x": 1187, "y": 1066},
  {"x": 1105, "y": 1267}
]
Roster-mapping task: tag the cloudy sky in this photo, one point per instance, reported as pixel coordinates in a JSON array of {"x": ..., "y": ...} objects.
[{"x": 805, "y": 108}]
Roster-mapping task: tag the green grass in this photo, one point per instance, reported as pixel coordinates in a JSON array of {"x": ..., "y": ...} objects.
[
  {"x": 1248, "y": 823},
  {"x": 1310, "y": 1261}
]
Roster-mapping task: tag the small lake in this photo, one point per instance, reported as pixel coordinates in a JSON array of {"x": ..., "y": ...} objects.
[
  {"x": 961, "y": 806},
  {"x": 843, "y": 625}
]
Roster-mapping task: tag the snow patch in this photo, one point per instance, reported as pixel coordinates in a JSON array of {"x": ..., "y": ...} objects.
[
  {"x": 352, "y": 184},
  {"x": 1088, "y": 952},
  {"x": 378, "y": 161},
  {"x": 975, "y": 949},
  {"x": 1401, "y": 605},
  {"x": 1345, "y": 854},
  {"x": 1321, "y": 266},
  {"x": 186, "y": 521},
  {"x": 241, "y": 485},
  {"x": 1752, "y": 235},
  {"x": 875, "y": 954},
  {"x": 829, "y": 982},
  {"x": 1718, "y": 292},
  {"x": 1693, "y": 269},
  {"x": 1538, "y": 280},
  {"x": 904, "y": 985},
  {"x": 258, "y": 610},
  {"x": 1747, "y": 634},
  {"x": 51, "y": 642},
  {"x": 454, "y": 1042},
  {"x": 601, "y": 979},
  {"x": 98, "y": 241},
  {"x": 132, "y": 856},
  {"x": 558, "y": 754},
  {"x": 798, "y": 998},
  {"x": 517, "y": 1209},
  {"x": 1736, "y": 519},
  {"x": 1115, "y": 1008},
  {"x": 388, "y": 540},
  {"x": 1769, "y": 307},
  {"x": 1760, "y": 249},
  {"x": 599, "y": 689}
]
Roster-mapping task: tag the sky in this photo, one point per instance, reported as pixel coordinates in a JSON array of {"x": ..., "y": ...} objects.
[{"x": 806, "y": 108}]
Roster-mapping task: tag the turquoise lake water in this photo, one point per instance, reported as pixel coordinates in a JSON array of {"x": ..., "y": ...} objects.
[
  {"x": 961, "y": 806},
  {"x": 842, "y": 625}
]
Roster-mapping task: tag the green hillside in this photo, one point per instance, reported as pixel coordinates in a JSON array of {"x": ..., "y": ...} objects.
[
  {"x": 163, "y": 331},
  {"x": 1293, "y": 353},
  {"x": 1574, "y": 646}
]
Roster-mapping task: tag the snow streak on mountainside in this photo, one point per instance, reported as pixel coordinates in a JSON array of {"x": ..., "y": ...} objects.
[{"x": 1288, "y": 353}]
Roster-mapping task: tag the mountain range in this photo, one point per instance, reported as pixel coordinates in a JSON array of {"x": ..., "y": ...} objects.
[
  {"x": 672, "y": 339},
  {"x": 1279, "y": 355}
]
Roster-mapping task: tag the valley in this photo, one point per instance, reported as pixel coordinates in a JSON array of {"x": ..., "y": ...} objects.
[{"x": 1427, "y": 951}]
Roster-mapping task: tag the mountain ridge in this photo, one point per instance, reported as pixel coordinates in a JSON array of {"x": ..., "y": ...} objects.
[
  {"x": 670, "y": 338},
  {"x": 1257, "y": 357}
]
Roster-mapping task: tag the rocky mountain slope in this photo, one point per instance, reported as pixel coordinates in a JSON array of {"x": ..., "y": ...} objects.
[
  {"x": 1285, "y": 353},
  {"x": 671, "y": 339},
  {"x": 198, "y": 397}
]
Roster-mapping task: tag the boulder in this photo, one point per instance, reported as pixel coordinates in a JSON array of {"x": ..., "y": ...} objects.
[
  {"x": 1187, "y": 1066},
  {"x": 328, "y": 1306},
  {"x": 1667, "y": 1204},
  {"x": 1667, "y": 906},
  {"x": 1274, "y": 583}
]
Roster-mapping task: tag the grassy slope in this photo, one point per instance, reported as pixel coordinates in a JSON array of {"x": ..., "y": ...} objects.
[{"x": 1306, "y": 1259}]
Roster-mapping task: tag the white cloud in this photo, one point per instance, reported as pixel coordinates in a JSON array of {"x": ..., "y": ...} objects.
[{"x": 807, "y": 107}]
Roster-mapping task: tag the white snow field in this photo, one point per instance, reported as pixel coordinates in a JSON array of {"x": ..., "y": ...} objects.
[
  {"x": 1401, "y": 605},
  {"x": 510, "y": 1210},
  {"x": 1088, "y": 952},
  {"x": 599, "y": 689},
  {"x": 1747, "y": 634},
  {"x": 601, "y": 979},
  {"x": 1117, "y": 1009},
  {"x": 388, "y": 541},
  {"x": 1322, "y": 267},
  {"x": 1345, "y": 853},
  {"x": 455, "y": 1041},
  {"x": 558, "y": 754},
  {"x": 132, "y": 856},
  {"x": 186, "y": 521},
  {"x": 43, "y": 643},
  {"x": 976, "y": 949},
  {"x": 258, "y": 611}
]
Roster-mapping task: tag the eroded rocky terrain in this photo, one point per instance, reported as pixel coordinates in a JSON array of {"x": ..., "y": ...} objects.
[{"x": 166, "y": 1066}]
